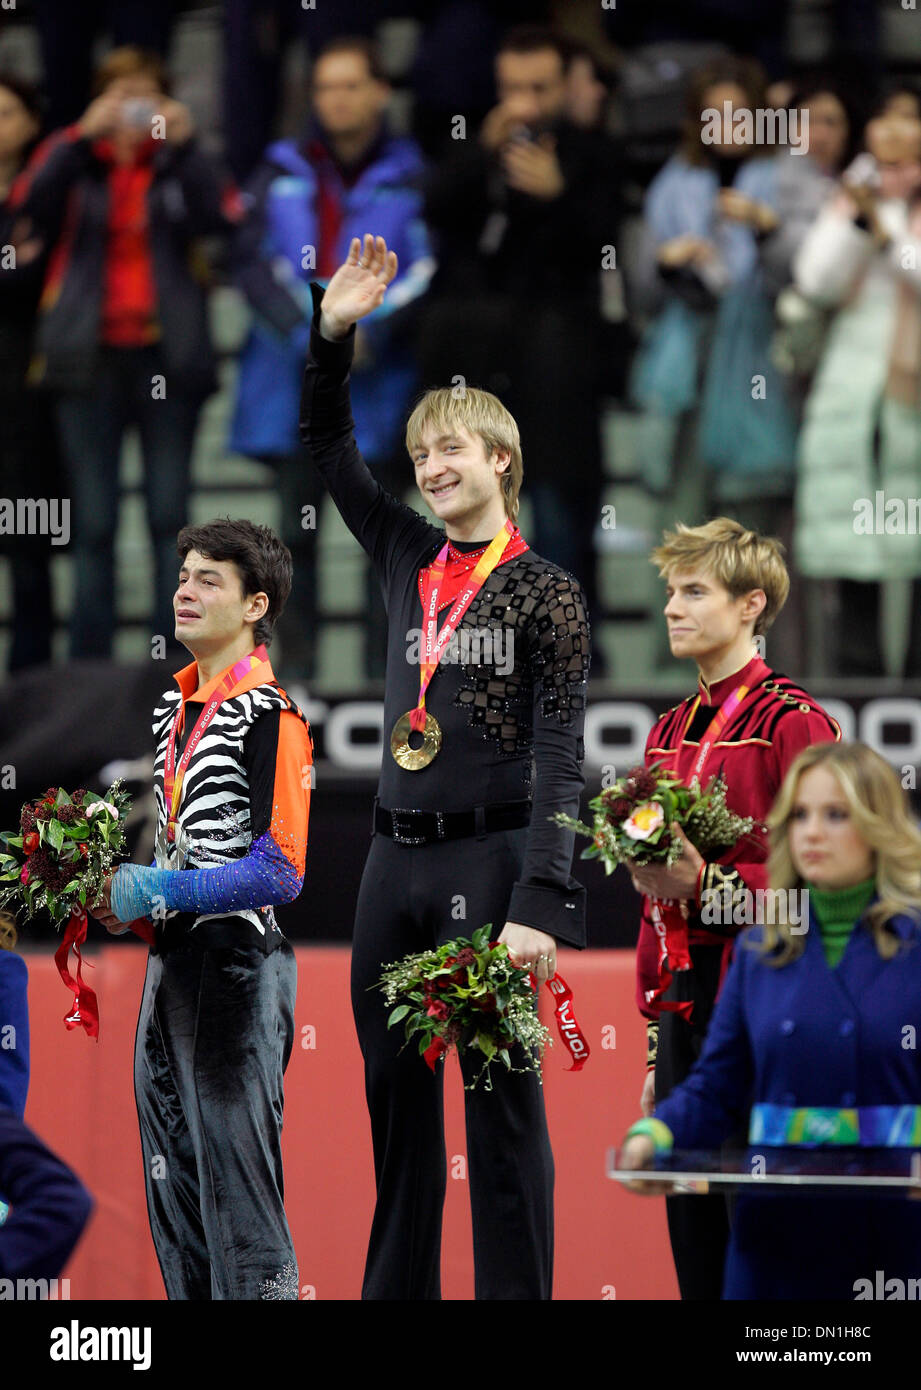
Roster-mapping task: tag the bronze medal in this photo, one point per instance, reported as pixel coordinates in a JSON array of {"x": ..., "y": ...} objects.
[{"x": 414, "y": 759}]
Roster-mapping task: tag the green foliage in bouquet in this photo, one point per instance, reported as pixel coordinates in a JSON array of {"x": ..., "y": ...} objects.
[
  {"x": 632, "y": 819},
  {"x": 467, "y": 994},
  {"x": 66, "y": 846}
]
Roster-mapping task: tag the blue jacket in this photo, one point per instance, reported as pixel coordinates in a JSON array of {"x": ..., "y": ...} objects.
[
  {"x": 50, "y": 1205},
  {"x": 273, "y": 268},
  {"x": 805, "y": 1035},
  {"x": 14, "y": 1033}
]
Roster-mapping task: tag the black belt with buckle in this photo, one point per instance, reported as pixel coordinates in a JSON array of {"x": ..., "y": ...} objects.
[{"x": 408, "y": 827}]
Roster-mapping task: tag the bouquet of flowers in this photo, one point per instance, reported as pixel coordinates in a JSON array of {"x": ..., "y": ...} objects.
[
  {"x": 58, "y": 860},
  {"x": 633, "y": 819},
  {"x": 467, "y": 995},
  {"x": 64, "y": 849}
]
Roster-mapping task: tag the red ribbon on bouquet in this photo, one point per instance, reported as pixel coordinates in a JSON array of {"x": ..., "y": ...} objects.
[
  {"x": 671, "y": 928},
  {"x": 434, "y": 1050},
  {"x": 85, "y": 1012},
  {"x": 567, "y": 1023}
]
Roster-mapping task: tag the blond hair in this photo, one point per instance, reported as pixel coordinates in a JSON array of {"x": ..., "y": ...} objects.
[
  {"x": 448, "y": 409},
  {"x": 882, "y": 817},
  {"x": 740, "y": 559},
  {"x": 8, "y": 934}
]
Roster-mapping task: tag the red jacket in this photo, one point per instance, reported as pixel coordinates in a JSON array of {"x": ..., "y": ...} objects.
[{"x": 774, "y": 723}]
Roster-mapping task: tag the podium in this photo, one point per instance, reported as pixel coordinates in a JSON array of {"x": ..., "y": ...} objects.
[{"x": 842, "y": 1170}]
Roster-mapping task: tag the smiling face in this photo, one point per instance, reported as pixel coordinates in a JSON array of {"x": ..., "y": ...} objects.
[
  {"x": 210, "y": 608},
  {"x": 459, "y": 482},
  {"x": 703, "y": 618},
  {"x": 826, "y": 848}
]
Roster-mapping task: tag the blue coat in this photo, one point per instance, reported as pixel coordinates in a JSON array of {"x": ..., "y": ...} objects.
[
  {"x": 14, "y": 1033},
  {"x": 270, "y": 269},
  {"x": 806, "y": 1035}
]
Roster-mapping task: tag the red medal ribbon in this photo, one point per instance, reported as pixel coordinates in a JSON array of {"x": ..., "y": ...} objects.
[
  {"x": 85, "y": 1012},
  {"x": 669, "y": 917},
  {"x": 173, "y": 775},
  {"x": 504, "y": 545}
]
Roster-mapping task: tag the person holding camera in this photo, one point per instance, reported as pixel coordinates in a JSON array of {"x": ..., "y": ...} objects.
[{"x": 119, "y": 199}]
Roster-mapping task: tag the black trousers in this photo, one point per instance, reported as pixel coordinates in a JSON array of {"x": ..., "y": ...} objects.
[
  {"x": 411, "y": 899},
  {"x": 698, "y": 1227},
  {"x": 214, "y": 1036}
]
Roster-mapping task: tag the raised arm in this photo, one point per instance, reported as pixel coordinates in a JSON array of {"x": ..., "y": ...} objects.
[{"x": 385, "y": 527}]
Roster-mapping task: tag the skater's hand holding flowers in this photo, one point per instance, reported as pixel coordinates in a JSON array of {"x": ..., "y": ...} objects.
[{"x": 676, "y": 881}]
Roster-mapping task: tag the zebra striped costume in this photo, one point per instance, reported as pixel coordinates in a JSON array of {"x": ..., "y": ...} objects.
[{"x": 227, "y": 873}]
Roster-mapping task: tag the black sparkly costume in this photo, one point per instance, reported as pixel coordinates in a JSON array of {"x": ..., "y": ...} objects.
[{"x": 414, "y": 896}]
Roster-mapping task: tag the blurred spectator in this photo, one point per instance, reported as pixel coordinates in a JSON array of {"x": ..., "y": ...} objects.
[
  {"x": 68, "y": 33},
  {"x": 50, "y": 1205},
  {"x": 123, "y": 334},
  {"x": 901, "y": 99},
  {"x": 524, "y": 216},
  {"x": 14, "y": 1028},
  {"x": 587, "y": 88},
  {"x": 256, "y": 35},
  {"x": 306, "y": 201},
  {"x": 452, "y": 73},
  {"x": 710, "y": 213},
  {"x": 28, "y": 441},
  {"x": 862, "y": 430},
  {"x": 805, "y": 181}
]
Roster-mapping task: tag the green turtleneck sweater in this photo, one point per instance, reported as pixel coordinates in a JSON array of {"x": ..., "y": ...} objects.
[{"x": 837, "y": 911}]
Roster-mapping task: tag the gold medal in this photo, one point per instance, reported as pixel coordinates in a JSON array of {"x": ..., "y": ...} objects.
[{"x": 412, "y": 759}]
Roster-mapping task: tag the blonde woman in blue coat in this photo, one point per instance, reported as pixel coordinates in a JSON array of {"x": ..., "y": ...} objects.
[{"x": 815, "y": 1035}]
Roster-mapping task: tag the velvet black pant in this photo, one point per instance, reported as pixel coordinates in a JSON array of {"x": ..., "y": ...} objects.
[
  {"x": 214, "y": 1036},
  {"x": 411, "y": 899},
  {"x": 698, "y": 1227}
]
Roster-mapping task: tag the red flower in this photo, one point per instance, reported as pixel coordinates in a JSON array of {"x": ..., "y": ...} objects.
[
  {"x": 487, "y": 1004},
  {"x": 50, "y": 794},
  {"x": 643, "y": 781},
  {"x": 438, "y": 1009},
  {"x": 84, "y": 849},
  {"x": 24, "y": 876},
  {"x": 467, "y": 956},
  {"x": 30, "y": 842}
]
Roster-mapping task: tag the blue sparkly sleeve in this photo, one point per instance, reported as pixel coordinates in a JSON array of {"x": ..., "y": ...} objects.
[
  {"x": 264, "y": 876},
  {"x": 278, "y": 760}
]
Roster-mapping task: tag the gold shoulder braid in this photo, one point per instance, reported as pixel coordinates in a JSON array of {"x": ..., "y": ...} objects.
[
  {"x": 652, "y": 1042},
  {"x": 721, "y": 881}
]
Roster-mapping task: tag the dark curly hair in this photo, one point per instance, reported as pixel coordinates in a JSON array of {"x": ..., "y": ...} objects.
[{"x": 262, "y": 560}]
